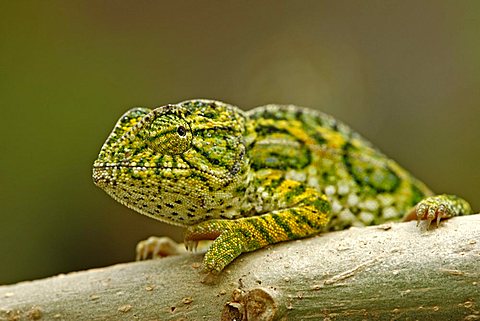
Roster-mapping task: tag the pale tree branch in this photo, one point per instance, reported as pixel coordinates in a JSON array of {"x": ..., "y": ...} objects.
[{"x": 386, "y": 272}]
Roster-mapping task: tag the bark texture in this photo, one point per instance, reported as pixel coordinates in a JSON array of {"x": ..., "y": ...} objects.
[{"x": 387, "y": 272}]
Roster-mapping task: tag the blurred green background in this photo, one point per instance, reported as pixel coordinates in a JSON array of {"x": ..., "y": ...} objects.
[{"x": 406, "y": 74}]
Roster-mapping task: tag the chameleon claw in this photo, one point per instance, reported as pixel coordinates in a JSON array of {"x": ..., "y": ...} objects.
[
  {"x": 421, "y": 209},
  {"x": 441, "y": 212},
  {"x": 429, "y": 221},
  {"x": 438, "y": 220},
  {"x": 191, "y": 245},
  {"x": 428, "y": 213},
  {"x": 431, "y": 213}
]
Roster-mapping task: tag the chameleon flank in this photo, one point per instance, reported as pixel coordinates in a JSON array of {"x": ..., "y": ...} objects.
[{"x": 249, "y": 179}]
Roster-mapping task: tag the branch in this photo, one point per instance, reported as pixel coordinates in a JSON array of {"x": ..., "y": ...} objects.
[{"x": 393, "y": 271}]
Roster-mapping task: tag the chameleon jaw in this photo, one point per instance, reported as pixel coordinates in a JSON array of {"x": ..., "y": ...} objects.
[{"x": 182, "y": 202}]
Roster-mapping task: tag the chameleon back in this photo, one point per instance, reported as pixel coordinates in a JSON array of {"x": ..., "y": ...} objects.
[{"x": 363, "y": 185}]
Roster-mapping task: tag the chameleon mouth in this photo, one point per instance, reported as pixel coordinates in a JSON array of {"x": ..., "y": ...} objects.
[
  {"x": 108, "y": 173},
  {"x": 112, "y": 168},
  {"x": 134, "y": 166}
]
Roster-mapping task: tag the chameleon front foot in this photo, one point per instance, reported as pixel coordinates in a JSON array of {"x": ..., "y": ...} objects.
[
  {"x": 234, "y": 237},
  {"x": 436, "y": 208},
  {"x": 157, "y": 247},
  {"x": 227, "y": 245}
]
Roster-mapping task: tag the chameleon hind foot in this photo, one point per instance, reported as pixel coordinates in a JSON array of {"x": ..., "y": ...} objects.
[{"x": 438, "y": 207}]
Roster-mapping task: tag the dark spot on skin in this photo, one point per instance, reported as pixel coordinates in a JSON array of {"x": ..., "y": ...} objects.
[
  {"x": 318, "y": 138},
  {"x": 190, "y": 215},
  {"x": 169, "y": 205},
  {"x": 241, "y": 189},
  {"x": 174, "y": 213},
  {"x": 159, "y": 207},
  {"x": 178, "y": 202},
  {"x": 246, "y": 233},
  {"x": 268, "y": 130},
  {"x": 210, "y": 115},
  {"x": 215, "y": 161},
  {"x": 235, "y": 169}
]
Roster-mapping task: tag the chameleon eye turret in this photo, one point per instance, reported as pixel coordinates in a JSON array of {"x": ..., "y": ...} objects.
[
  {"x": 249, "y": 179},
  {"x": 167, "y": 133}
]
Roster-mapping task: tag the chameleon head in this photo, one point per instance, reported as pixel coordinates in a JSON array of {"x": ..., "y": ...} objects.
[{"x": 180, "y": 163}]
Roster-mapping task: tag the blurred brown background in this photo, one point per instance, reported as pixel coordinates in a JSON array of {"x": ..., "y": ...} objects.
[{"x": 406, "y": 74}]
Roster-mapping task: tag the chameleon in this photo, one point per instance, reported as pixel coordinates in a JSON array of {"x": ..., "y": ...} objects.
[{"x": 247, "y": 179}]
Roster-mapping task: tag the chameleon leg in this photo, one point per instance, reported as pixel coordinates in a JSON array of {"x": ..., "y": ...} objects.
[
  {"x": 234, "y": 237},
  {"x": 439, "y": 207}
]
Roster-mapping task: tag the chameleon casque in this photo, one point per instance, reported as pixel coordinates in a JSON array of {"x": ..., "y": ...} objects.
[{"x": 249, "y": 179}]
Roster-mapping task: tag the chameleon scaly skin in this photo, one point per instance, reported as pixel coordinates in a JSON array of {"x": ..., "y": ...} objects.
[{"x": 249, "y": 179}]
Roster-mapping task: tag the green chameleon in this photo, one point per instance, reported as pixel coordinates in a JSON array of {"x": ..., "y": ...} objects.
[{"x": 249, "y": 179}]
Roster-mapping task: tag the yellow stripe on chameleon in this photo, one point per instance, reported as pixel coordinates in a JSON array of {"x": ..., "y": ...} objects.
[
  {"x": 307, "y": 194},
  {"x": 313, "y": 215},
  {"x": 333, "y": 139},
  {"x": 287, "y": 186},
  {"x": 276, "y": 231},
  {"x": 301, "y": 134},
  {"x": 274, "y": 176}
]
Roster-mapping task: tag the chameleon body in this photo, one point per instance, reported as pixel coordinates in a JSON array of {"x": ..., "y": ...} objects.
[{"x": 249, "y": 179}]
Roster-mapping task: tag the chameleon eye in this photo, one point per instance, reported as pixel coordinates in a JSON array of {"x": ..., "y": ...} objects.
[
  {"x": 181, "y": 131},
  {"x": 169, "y": 134}
]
